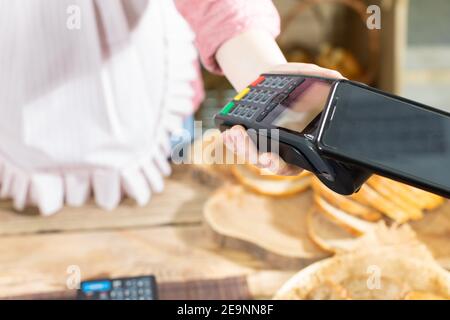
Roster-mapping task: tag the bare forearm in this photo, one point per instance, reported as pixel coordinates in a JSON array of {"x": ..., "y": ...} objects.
[{"x": 244, "y": 57}]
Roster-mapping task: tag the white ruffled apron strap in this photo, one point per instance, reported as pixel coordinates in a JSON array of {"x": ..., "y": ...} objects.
[{"x": 176, "y": 102}]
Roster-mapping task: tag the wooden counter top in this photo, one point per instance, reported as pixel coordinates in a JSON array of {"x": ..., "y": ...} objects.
[{"x": 165, "y": 238}]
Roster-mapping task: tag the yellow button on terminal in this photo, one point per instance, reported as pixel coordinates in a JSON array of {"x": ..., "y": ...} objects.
[{"x": 242, "y": 94}]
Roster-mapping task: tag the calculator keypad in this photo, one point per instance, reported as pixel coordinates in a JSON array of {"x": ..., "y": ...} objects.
[{"x": 132, "y": 289}]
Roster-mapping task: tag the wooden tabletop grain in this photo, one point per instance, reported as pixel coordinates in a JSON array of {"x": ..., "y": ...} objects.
[{"x": 166, "y": 238}]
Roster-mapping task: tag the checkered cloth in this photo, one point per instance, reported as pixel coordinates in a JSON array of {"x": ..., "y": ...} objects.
[{"x": 234, "y": 288}]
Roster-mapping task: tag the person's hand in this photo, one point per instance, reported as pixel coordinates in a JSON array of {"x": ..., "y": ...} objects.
[{"x": 238, "y": 141}]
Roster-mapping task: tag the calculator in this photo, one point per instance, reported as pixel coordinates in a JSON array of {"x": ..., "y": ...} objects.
[
  {"x": 132, "y": 288},
  {"x": 287, "y": 109}
]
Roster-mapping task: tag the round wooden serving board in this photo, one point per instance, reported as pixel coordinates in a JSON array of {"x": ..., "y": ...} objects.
[
  {"x": 275, "y": 228},
  {"x": 272, "y": 228}
]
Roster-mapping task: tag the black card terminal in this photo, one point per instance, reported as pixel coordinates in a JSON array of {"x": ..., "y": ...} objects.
[
  {"x": 266, "y": 104},
  {"x": 132, "y": 288}
]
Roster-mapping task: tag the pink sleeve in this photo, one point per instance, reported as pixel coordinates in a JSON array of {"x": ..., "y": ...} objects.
[{"x": 216, "y": 21}]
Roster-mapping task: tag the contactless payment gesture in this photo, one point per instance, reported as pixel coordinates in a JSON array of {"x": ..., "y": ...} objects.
[{"x": 343, "y": 131}]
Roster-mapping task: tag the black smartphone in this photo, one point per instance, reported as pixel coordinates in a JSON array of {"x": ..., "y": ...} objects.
[{"x": 390, "y": 135}]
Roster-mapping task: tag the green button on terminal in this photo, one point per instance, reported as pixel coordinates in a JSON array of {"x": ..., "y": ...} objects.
[{"x": 227, "y": 108}]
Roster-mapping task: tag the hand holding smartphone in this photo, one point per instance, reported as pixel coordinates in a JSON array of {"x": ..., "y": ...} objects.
[{"x": 344, "y": 131}]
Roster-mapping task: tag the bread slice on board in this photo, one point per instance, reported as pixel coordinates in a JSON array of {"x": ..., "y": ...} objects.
[
  {"x": 267, "y": 185},
  {"x": 345, "y": 203},
  {"x": 351, "y": 223},
  {"x": 328, "y": 235}
]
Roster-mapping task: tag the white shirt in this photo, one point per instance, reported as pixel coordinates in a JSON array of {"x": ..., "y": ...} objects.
[{"x": 90, "y": 110}]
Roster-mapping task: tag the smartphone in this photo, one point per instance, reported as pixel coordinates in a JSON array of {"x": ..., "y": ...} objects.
[{"x": 392, "y": 136}]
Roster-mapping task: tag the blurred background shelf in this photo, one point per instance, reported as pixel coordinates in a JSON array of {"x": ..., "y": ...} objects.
[
  {"x": 427, "y": 64},
  {"x": 334, "y": 34},
  {"x": 414, "y": 47}
]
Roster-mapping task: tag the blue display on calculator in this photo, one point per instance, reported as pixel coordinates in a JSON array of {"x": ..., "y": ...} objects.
[{"x": 96, "y": 286}]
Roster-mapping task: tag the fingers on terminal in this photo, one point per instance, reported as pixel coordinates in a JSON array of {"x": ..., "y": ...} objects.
[
  {"x": 273, "y": 163},
  {"x": 238, "y": 141}
]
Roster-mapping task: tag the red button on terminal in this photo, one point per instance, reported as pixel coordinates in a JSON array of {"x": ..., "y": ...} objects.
[{"x": 258, "y": 81}]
